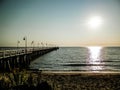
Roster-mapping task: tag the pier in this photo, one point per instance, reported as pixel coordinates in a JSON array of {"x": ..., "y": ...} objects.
[{"x": 21, "y": 58}]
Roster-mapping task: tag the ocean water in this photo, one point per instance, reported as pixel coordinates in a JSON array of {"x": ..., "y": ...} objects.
[{"x": 80, "y": 59}]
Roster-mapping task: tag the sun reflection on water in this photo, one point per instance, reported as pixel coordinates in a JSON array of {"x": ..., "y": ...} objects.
[{"x": 94, "y": 59}]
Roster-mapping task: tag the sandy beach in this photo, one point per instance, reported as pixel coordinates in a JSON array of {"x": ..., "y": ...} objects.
[
  {"x": 60, "y": 80},
  {"x": 83, "y": 80}
]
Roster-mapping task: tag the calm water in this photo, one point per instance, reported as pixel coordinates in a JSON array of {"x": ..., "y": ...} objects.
[{"x": 80, "y": 59}]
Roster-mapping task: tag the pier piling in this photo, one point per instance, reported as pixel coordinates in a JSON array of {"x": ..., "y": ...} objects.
[{"x": 10, "y": 60}]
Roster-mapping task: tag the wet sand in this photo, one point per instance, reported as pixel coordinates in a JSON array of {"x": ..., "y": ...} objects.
[{"x": 62, "y": 80}]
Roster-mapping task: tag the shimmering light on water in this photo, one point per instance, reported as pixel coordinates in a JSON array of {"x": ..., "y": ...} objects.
[
  {"x": 94, "y": 54},
  {"x": 94, "y": 58}
]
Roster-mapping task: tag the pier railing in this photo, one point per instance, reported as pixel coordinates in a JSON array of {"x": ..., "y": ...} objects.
[
  {"x": 21, "y": 58},
  {"x": 16, "y": 52}
]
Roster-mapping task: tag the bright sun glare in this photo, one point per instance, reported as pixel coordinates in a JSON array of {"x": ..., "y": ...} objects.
[
  {"x": 95, "y": 58},
  {"x": 95, "y": 21}
]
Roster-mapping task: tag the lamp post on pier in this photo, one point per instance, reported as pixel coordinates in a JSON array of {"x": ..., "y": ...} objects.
[
  {"x": 17, "y": 47},
  {"x": 32, "y": 43},
  {"x": 18, "y": 44},
  {"x": 25, "y": 38}
]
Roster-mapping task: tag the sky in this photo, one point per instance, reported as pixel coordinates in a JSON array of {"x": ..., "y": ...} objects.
[{"x": 60, "y": 22}]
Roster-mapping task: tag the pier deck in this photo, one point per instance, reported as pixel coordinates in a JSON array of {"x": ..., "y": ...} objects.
[{"x": 21, "y": 58}]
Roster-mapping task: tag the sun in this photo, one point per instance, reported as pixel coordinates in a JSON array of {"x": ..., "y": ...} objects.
[{"x": 95, "y": 22}]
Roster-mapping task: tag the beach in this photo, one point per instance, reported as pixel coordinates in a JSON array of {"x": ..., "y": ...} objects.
[
  {"x": 59, "y": 44},
  {"x": 60, "y": 80},
  {"x": 83, "y": 80}
]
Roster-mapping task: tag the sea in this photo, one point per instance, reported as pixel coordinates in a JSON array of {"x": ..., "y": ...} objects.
[{"x": 93, "y": 59}]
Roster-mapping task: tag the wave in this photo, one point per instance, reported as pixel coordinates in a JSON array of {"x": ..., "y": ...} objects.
[{"x": 76, "y": 64}]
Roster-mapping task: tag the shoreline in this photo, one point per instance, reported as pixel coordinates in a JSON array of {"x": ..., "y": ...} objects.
[
  {"x": 83, "y": 80},
  {"x": 78, "y": 72},
  {"x": 60, "y": 80}
]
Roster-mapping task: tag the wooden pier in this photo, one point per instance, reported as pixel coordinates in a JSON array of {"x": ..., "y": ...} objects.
[{"x": 21, "y": 58}]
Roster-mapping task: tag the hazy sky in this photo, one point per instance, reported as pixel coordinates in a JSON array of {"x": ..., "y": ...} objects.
[{"x": 61, "y": 22}]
